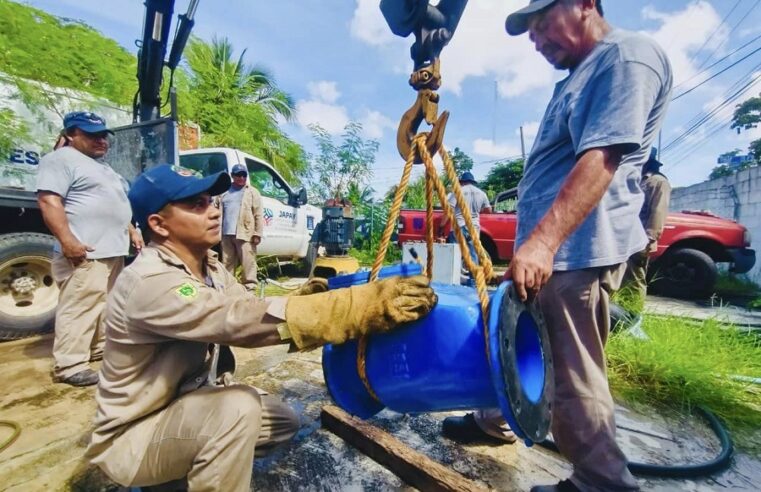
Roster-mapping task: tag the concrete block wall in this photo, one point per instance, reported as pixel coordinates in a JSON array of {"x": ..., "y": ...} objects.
[{"x": 736, "y": 197}]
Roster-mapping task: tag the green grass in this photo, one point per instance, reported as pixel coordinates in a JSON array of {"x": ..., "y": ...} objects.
[
  {"x": 729, "y": 285},
  {"x": 366, "y": 257},
  {"x": 686, "y": 364}
]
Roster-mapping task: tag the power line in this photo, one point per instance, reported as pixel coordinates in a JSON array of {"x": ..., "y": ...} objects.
[
  {"x": 716, "y": 74},
  {"x": 719, "y": 61},
  {"x": 708, "y": 39},
  {"x": 730, "y": 33}
]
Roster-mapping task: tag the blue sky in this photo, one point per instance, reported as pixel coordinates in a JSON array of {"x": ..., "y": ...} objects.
[{"x": 340, "y": 62}]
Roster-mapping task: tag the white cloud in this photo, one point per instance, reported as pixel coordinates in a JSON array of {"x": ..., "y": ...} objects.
[
  {"x": 322, "y": 108},
  {"x": 324, "y": 90},
  {"x": 684, "y": 32},
  {"x": 368, "y": 24},
  {"x": 489, "y": 148},
  {"x": 530, "y": 129},
  {"x": 333, "y": 118},
  {"x": 480, "y": 47},
  {"x": 374, "y": 124}
]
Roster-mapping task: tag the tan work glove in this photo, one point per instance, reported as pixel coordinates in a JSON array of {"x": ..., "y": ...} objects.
[
  {"x": 314, "y": 285},
  {"x": 343, "y": 314}
]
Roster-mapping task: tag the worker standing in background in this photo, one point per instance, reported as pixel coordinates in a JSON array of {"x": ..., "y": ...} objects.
[
  {"x": 84, "y": 204},
  {"x": 578, "y": 205},
  {"x": 476, "y": 201},
  {"x": 167, "y": 406},
  {"x": 242, "y": 224},
  {"x": 655, "y": 208}
]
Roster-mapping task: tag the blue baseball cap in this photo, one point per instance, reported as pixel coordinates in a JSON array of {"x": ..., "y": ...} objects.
[
  {"x": 161, "y": 185},
  {"x": 86, "y": 121},
  {"x": 239, "y": 168},
  {"x": 467, "y": 176},
  {"x": 517, "y": 22}
]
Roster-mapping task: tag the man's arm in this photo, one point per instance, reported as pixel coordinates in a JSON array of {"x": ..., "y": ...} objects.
[
  {"x": 54, "y": 215},
  {"x": 258, "y": 218},
  {"x": 136, "y": 237},
  {"x": 580, "y": 193}
]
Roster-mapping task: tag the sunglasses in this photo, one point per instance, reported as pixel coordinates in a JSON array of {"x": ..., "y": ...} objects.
[{"x": 240, "y": 175}]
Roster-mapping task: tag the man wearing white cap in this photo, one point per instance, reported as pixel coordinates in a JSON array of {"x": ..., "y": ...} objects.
[{"x": 578, "y": 206}]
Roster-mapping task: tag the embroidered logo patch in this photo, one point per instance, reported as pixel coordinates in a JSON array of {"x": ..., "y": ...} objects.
[
  {"x": 184, "y": 171},
  {"x": 187, "y": 291}
]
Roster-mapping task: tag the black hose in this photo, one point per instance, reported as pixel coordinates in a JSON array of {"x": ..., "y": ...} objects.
[{"x": 717, "y": 464}]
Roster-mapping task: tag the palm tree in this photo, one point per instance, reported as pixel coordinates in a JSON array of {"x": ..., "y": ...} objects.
[{"x": 212, "y": 66}]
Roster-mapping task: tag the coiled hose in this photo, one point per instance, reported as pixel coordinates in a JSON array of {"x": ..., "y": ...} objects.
[{"x": 719, "y": 463}]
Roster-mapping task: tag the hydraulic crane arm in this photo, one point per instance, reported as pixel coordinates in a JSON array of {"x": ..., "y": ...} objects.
[{"x": 152, "y": 53}]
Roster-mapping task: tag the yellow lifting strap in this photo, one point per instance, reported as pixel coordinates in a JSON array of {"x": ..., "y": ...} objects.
[{"x": 480, "y": 272}]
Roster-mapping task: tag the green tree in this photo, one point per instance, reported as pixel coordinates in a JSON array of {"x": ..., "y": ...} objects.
[
  {"x": 66, "y": 53},
  {"x": 237, "y": 105},
  {"x": 748, "y": 115},
  {"x": 502, "y": 176},
  {"x": 12, "y": 131},
  {"x": 336, "y": 167},
  {"x": 720, "y": 171}
]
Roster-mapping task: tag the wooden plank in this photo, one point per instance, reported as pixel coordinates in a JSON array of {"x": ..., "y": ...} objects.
[{"x": 411, "y": 466}]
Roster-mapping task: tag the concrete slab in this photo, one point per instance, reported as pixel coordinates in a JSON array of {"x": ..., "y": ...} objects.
[
  {"x": 702, "y": 310},
  {"x": 56, "y": 419}
]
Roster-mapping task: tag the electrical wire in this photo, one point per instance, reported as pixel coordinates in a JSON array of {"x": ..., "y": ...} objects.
[
  {"x": 719, "y": 61},
  {"x": 708, "y": 39},
  {"x": 730, "y": 33},
  {"x": 679, "y": 96}
]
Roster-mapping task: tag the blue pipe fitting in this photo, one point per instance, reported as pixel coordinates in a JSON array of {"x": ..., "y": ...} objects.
[{"x": 441, "y": 363}]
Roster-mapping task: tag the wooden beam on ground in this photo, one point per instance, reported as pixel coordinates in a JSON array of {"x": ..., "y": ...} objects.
[{"x": 411, "y": 466}]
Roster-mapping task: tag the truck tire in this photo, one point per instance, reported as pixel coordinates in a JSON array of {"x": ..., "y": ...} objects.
[
  {"x": 685, "y": 273},
  {"x": 28, "y": 294}
]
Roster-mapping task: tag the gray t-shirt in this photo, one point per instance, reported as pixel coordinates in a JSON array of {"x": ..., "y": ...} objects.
[
  {"x": 94, "y": 197},
  {"x": 231, "y": 202},
  {"x": 476, "y": 200},
  {"x": 618, "y": 95}
]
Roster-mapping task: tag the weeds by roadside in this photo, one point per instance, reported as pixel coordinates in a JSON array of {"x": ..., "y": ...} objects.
[{"x": 686, "y": 364}]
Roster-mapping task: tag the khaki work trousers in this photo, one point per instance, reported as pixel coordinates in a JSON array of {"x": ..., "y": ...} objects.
[
  {"x": 208, "y": 437},
  {"x": 238, "y": 252},
  {"x": 636, "y": 275},
  {"x": 575, "y": 305},
  {"x": 79, "y": 336}
]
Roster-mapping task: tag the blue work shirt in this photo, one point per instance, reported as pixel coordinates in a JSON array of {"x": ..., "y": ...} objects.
[{"x": 617, "y": 96}]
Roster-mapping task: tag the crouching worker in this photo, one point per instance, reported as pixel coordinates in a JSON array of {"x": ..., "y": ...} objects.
[{"x": 167, "y": 407}]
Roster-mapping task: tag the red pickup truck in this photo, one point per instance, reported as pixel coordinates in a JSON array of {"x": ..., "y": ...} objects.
[{"x": 683, "y": 266}]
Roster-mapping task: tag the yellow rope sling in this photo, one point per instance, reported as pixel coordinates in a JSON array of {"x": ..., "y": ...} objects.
[{"x": 480, "y": 272}]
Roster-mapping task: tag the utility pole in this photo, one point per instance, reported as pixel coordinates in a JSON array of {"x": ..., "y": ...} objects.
[
  {"x": 494, "y": 116},
  {"x": 523, "y": 146},
  {"x": 660, "y": 140}
]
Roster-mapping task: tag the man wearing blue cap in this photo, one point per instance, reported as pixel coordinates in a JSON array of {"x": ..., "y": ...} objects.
[
  {"x": 476, "y": 201},
  {"x": 578, "y": 206},
  {"x": 242, "y": 226},
  {"x": 84, "y": 204},
  {"x": 167, "y": 406}
]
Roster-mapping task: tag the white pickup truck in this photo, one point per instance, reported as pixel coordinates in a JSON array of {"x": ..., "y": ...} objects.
[
  {"x": 28, "y": 295},
  {"x": 288, "y": 220}
]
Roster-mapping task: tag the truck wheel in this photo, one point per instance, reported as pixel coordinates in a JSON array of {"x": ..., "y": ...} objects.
[
  {"x": 685, "y": 273},
  {"x": 28, "y": 294}
]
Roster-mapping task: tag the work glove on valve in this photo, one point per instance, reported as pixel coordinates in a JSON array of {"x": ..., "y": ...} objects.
[
  {"x": 314, "y": 285},
  {"x": 343, "y": 314}
]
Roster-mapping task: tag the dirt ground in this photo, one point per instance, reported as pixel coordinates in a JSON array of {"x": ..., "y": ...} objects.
[{"x": 55, "y": 421}]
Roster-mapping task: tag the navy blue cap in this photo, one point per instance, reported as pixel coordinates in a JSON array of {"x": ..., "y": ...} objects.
[
  {"x": 239, "y": 168},
  {"x": 160, "y": 185},
  {"x": 86, "y": 121},
  {"x": 467, "y": 176},
  {"x": 517, "y": 22}
]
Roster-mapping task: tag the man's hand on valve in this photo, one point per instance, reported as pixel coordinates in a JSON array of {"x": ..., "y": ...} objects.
[
  {"x": 343, "y": 314},
  {"x": 530, "y": 268}
]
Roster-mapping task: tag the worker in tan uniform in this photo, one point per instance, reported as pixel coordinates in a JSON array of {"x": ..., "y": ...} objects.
[
  {"x": 167, "y": 406},
  {"x": 655, "y": 208},
  {"x": 242, "y": 225}
]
